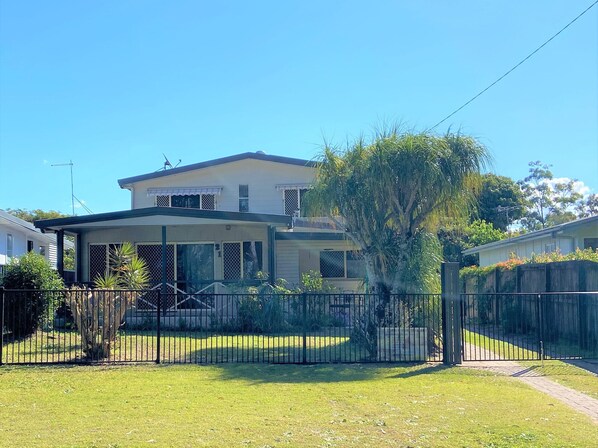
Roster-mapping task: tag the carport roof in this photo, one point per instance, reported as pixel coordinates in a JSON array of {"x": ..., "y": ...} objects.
[{"x": 157, "y": 216}]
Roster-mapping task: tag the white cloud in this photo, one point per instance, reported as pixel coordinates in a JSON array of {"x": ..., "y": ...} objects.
[{"x": 578, "y": 186}]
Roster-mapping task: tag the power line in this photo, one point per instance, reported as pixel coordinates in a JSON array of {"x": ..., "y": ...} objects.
[{"x": 515, "y": 66}]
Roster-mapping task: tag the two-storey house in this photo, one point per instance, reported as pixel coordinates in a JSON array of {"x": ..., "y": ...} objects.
[{"x": 204, "y": 226}]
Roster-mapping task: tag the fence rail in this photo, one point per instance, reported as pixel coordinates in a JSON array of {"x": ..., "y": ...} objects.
[
  {"x": 519, "y": 326},
  {"x": 83, "y": 326},
  {"x": 87, "y": 326}
]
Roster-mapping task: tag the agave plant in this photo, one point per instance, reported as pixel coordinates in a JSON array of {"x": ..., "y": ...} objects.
[{"x": 100, "y": 312}]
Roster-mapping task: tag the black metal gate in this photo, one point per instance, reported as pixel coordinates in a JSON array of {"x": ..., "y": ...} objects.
[{"x": 521, "y": 327}]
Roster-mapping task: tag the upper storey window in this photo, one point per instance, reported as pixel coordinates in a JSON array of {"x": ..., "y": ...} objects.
[
  {"x": 292, "y": 198},
  {"x": 203, "y": 198},
  {"x": 243, "y": 198}
]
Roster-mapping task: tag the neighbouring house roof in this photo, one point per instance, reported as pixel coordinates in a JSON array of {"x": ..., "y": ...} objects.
[
  {"x": 123, "y": 183},
  {"x": 554, "y": 231},
  {"x": 25, "y": 226},
  {"x": 160, "y": 216}
]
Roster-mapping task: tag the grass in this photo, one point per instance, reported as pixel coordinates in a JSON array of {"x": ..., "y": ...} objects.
[
  {"x": 559, "y": 371},
  {"x": 497, "y": 348},
  {"x": 565, "y": 374},
  {"x": 333, "y": 345},
  {"x": 273, "y": 405}
]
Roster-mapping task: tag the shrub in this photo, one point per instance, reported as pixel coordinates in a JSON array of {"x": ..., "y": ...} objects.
[
  {"x": 261, "y": 313},
  {"x": 29, "y": 308},
  {"x": 99, "y": 313},
  {"x": 513, "y": 262}
]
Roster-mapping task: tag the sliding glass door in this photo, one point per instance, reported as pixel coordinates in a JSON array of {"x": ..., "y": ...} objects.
[{"x": 195, "y": 266}]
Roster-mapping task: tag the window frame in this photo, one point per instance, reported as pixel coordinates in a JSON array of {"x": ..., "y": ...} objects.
[
  {"x": 345, "y": 266},
  {"x": 10, "y": 245},
  {"x": 244, "y": 199},
  {"x": 201, "y": 200},
  {"x": 298, "y": 191}
]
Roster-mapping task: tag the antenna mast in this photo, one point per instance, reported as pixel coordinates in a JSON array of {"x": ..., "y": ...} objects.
[{"x": 72, "y": 187}]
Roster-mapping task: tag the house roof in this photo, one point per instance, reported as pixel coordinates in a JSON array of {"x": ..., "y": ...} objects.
[
  {"x": 554, "y": 230},
  {"x": 25, "y": 226},
  {"x": 123, "y": 183},
  {"x": 160, "y": 216}
]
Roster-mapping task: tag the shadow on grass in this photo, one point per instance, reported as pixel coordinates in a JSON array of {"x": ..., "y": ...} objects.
[
  {"x": 315, "y": 373},
  {"x": 423, "y": 369}
]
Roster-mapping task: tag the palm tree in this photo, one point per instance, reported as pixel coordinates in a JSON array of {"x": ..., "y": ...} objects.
[{"x": 388, "y": 195}]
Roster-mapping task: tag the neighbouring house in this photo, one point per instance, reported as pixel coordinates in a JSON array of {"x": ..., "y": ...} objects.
[
  {"x": 566, "y": 238},
  {"x": 205, "y": 226},
  {"x": 18, "y": 237}
]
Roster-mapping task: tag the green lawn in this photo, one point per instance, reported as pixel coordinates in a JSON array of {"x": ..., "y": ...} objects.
[
  {"x": 559, "y": 371},
  {"x": 565, "y": 374},
  {"x": 499, "y": 349},
  {"x": 272, "y": 405},
  {"x": 332, "y": 345}
]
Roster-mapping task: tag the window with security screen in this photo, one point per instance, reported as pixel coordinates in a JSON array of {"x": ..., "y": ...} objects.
[
  {"x": 355, "y": 264},
  {"x": 231, "y": 259},
  {"x": 162, "y": 201},
  {"x": 201, "y": 201},
  {"x": 291, "y": 202},
  {"x": 293, "y": 198},
  {"x": 208, "y": 202},
  {"x": 152, "y": 255},
  {"x": 332, "y": 263},
  {"x": 98, "y": 261}
]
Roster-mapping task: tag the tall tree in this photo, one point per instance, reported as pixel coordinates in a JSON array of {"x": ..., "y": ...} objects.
[
  {"x": 34, "y": 215},
  {"x": 548, "y": 201},
  {"x": 588, "y": 207},
  {"x": 37, "y": 214},
  {"x": 500, "y": 201},
  {"x": 388, "y": 194}
]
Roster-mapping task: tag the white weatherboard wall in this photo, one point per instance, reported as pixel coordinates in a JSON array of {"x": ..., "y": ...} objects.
[
  {"x": 261, "y": 176},
  {"x": 20, "y": 239},
  {"x": 564, "y": 243},
  {"x": 296, "y": 256}
]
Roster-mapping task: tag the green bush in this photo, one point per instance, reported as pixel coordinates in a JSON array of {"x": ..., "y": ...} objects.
[
  {"x": 261, "y": 313},
  {"x": 25, "y": 310}
]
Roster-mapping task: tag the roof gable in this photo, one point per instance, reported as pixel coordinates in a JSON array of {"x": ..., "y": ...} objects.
[{"x": 123, "y": 183}]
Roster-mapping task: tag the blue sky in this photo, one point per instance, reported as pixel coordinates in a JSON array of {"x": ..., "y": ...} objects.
[{"x": 113, "y": 85}]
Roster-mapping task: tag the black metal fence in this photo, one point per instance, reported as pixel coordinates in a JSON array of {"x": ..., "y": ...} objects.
[
  {"x": 530, "y": 326},
  {"x": 83, "y": 326}
]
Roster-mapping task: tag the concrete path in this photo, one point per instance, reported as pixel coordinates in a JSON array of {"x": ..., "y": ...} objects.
[{"x": 577, "y": 400}]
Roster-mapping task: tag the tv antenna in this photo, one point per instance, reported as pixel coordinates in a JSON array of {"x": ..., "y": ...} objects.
[
  {"x": 73, "y": 197},
  {"x": 167, "y": 164}
]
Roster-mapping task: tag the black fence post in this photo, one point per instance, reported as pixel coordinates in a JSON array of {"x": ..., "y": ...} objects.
[
  {"x": 304, "y": 307},
  {"x": 452, "y": 344},
  {"x": 540, "y": 327},
  {"x": 158, "y": 318},
  {"x": 1, "y": 325}
]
